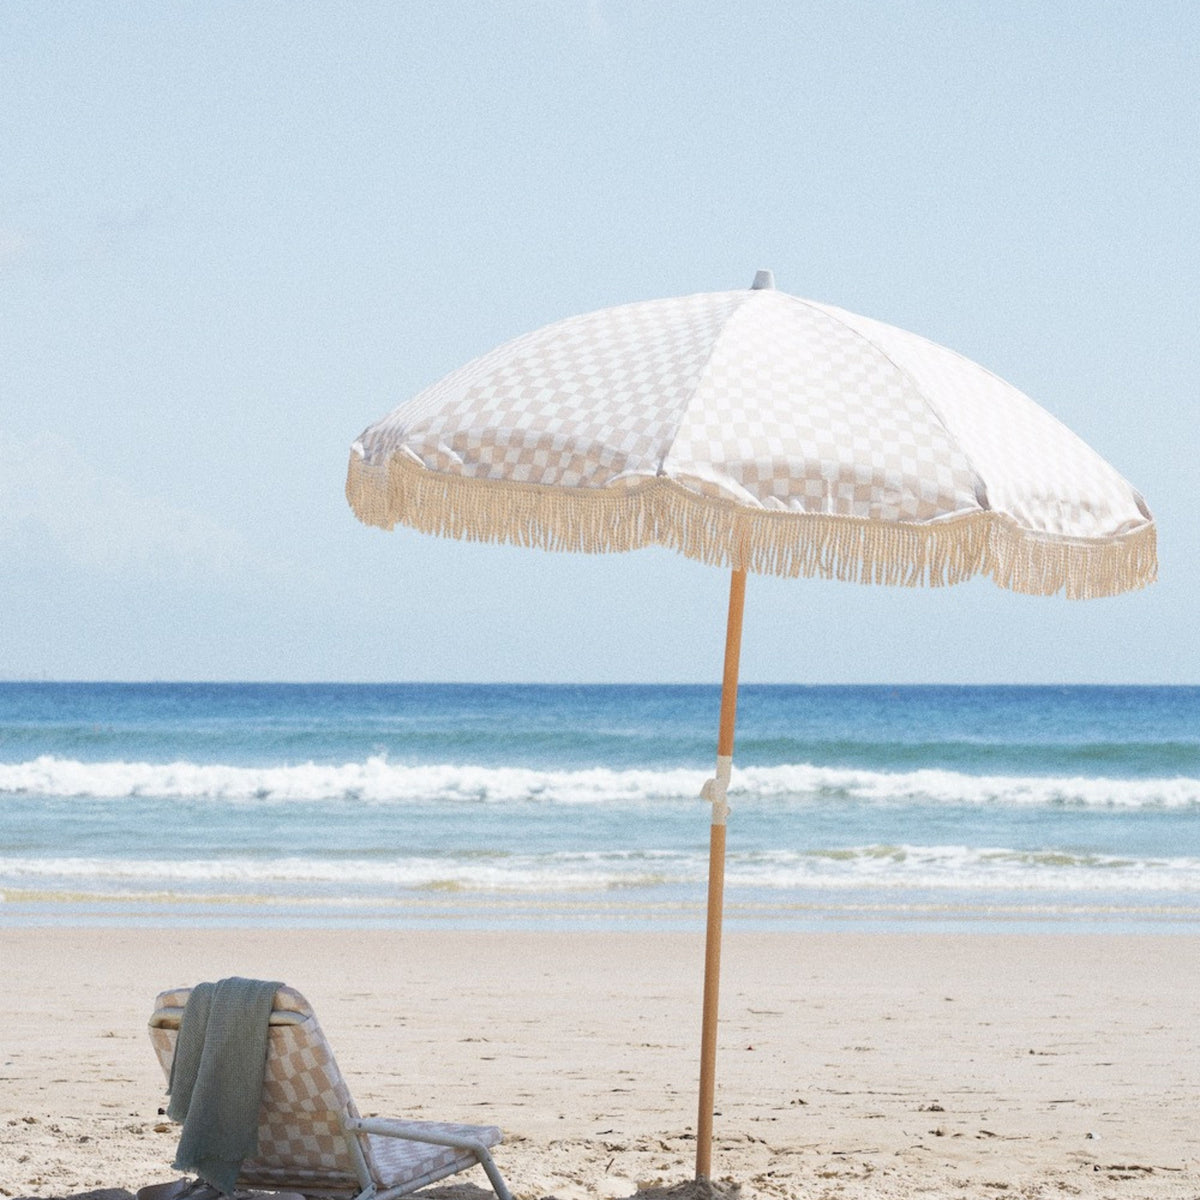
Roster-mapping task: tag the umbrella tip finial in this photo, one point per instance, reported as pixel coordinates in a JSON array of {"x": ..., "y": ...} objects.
[{"x": 762, "y": 281}]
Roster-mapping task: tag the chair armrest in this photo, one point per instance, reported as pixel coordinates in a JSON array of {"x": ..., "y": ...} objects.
[{"x": 412, "y": 1131}]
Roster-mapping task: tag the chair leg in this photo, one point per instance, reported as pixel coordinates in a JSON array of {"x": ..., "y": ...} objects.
[{"x": 493, "y": 1174}]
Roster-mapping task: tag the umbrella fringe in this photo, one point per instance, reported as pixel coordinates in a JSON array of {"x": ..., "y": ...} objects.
[
  {"x": 1041, "y": 565},
  {"x": 721, "y": 532}
]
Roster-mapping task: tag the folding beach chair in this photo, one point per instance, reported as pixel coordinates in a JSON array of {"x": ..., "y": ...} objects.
[{"x": 311, "y": 1138}]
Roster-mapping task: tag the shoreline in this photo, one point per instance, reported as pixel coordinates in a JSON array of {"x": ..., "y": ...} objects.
[
  {"x": 849, "y": 1063},
  {"x": 904, "y": 913}
]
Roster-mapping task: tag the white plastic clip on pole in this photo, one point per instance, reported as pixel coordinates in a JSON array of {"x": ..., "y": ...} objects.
[{"x": 715, "y": 790}]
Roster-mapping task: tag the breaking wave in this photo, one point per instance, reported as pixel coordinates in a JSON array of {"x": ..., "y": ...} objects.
[{"x": 380, "y": 781}]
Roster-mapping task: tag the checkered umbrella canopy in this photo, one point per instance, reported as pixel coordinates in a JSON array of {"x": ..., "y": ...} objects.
[{"x": 759, "y": 431}]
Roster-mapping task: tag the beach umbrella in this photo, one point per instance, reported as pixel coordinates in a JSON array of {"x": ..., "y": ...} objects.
[{"x": 755, "y": 431}]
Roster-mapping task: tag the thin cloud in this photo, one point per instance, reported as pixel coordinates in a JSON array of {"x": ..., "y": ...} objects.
[
  {"x": 57, "y": 233},
  {"x": 14, "y": 246},
  {"x": 54, "y": 500},
  {"x": 597, "y": 23}
]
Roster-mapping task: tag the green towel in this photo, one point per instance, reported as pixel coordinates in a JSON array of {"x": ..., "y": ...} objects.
[{"x": 217, "y": 1077}]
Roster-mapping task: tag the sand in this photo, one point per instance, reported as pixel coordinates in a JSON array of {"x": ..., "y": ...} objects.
[{"x": 850, "y": 1065}]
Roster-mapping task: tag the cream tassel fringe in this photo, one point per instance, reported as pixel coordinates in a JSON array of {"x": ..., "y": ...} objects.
[{"x": 722, "y": 533}]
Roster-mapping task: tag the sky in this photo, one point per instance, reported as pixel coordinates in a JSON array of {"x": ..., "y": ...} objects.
[{"x": 232, "y": 235}]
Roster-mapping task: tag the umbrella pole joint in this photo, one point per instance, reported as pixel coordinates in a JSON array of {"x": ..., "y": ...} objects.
[{"x": 716, "y": 789}]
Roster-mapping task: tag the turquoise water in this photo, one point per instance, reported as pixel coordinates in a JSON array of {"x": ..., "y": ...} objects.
[{"x": 483, "y": 806}]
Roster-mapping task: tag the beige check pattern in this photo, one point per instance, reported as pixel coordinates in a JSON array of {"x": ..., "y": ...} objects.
[
  {"x": 764, "y": 399},
  {"x": 301, "y": 1141},
  {"x": 587, "y": 402},
  {"x": 1029, "y": 464},
  {"x": 794, "y": 413}
]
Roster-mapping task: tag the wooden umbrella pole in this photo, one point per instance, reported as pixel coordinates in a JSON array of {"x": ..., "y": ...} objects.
[{"x": 715, "y": 791}]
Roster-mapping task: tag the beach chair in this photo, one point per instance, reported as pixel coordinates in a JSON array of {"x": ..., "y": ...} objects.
[{"x": 311, "y": 1138}]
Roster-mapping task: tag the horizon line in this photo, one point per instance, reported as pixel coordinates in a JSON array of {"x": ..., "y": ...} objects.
[{"x": 562, "y": 683}]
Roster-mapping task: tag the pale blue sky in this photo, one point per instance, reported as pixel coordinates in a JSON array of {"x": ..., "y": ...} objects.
[{"x": 234, "y": 234}]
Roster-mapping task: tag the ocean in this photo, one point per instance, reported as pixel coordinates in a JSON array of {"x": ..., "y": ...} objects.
[{"x": 493, "y": 806}]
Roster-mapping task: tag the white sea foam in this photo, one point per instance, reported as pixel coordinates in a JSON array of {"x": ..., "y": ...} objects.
[
  {"x": 864, "y": 868},
  {"x": 375, "y": 780},
  {"x": 380, "y": 781},
  {"x": 552, "y": 873}
]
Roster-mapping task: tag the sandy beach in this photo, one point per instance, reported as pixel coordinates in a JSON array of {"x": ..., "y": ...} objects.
[{"x": 849, "y": 1065}]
